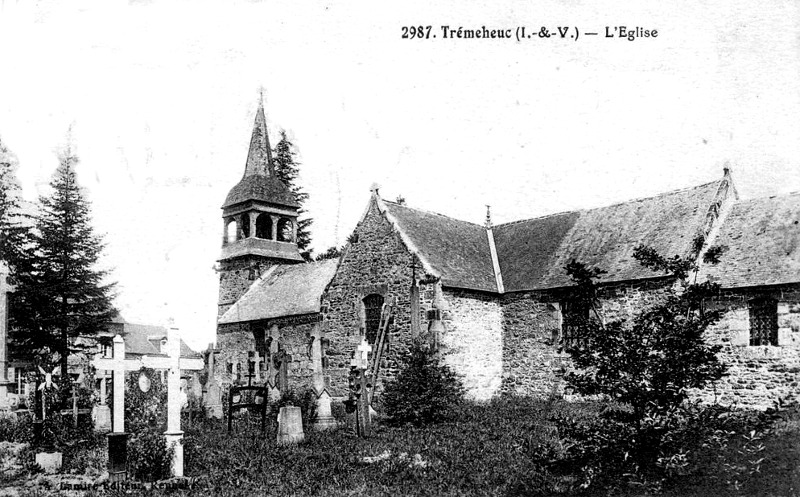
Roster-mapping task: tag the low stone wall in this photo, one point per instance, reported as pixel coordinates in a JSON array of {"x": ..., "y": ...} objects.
[{"x": 473, "y": 341}]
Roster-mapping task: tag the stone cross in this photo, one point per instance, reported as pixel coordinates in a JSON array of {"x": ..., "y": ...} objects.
[
  {"x": 325, "y": 418},
  {"x": 361, "y": 357},
  {"x": 281, "y": 360},
  {"x": 213, "y": 398},
  {"x": 173, "y": 364}
]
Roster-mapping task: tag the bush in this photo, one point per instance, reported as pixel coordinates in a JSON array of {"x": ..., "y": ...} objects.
[
  {"x": 149, "y": 459},
  {"x": 16, "y": 428},
  {"x": 424, "y": 392},
  {"x": 611, "y": 450},
  {"x": 145, "y": 410}
]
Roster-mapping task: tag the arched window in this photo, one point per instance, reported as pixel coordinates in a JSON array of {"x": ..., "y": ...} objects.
[
  {"x": 230, "y": 231},
  {"x": 373, "y": 305},
  {"x": 285, "y": 230},
  {"x": 245, "y": 225},
  {"x": 264, "y": 227}
]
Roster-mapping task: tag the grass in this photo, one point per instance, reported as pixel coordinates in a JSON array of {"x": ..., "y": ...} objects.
[{"x": 486, "y": 449}]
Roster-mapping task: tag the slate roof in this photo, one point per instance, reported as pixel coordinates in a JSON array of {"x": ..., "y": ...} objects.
[
  {"x": 604, "y": 237},
  {"x": 457, "y": 250},
  {"x": 527, "y": 250},
  {"x": 284, "y": 290},
  {"x": 137, "y": 340},
  {"x": 259, "y": 187},
  {"x": 762, "y": 243}
]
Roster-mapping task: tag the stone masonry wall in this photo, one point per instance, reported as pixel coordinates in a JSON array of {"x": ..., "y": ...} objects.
[
  {"x": 534, "y": 362},
  {"x": 375, "y": 261},
  {"x": 472, "y": 343},
  {"x": 758, "y": 375},
  {"x": 235, "y": 278},
  {"x": 235, "y": 341}
]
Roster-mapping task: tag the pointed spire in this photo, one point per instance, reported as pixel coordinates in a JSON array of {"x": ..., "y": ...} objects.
[
  {"x": 259, "y": 158},
  {"x": 488, "y": 222}
]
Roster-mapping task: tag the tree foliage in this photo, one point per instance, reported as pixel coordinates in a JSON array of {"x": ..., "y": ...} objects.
[
  {"x": 425, "y": 390},
  {"x": 651, "y": 361},
  {"x": 287, "y": 169},
  {"x": 60, "y": 294},
  {"x": 331, "y": 253},
  {"x": 13, "y": 231}
]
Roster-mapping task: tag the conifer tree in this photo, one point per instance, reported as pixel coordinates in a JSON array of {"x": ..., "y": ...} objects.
[
  {"x": 60, "y": 294},
  {"x": 14, "y": 239},
  {"x": 12, "y": 229},
  {"x": 287, "y": 169}
]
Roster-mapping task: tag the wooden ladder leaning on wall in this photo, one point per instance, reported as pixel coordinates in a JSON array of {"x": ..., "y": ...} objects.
[{"x": 387, "y": 317}]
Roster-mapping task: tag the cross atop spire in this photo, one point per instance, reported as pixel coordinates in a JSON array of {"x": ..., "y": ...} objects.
[{"x": 259, "y": 157}]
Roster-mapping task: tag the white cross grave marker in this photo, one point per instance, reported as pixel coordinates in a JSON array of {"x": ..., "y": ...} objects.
[
  {"x": 173, "y": 364},
  {"x": 361, "y": 359}
]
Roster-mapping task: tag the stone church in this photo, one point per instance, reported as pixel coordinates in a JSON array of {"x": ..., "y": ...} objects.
[{"x": 492, "y": 297}]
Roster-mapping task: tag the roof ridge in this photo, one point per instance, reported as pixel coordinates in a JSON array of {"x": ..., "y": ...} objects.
[
  {"x": 433, "y": 213},
  {"x": 638, "y": 199}
]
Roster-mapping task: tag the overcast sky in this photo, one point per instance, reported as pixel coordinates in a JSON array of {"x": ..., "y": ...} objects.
[{"x": 162, "y": 96}]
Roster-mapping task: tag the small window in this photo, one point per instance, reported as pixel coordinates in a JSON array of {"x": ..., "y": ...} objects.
[
  {"x": 373, "y": 307},
  {"x": 574, "y": 315},
  {"x": 763, "y": 322}
]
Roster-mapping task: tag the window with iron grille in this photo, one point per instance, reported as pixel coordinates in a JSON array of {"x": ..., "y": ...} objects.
[
  {"x": 574, "y": 315},
  {"x": 763, "y": 322},
  {"x": 373, "y": 305}
]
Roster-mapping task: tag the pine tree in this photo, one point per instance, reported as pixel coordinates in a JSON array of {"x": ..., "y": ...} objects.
[
  {"x": 287, "y": 169},
  {"x": 15, "y": 238},
  {"x": 12, "y": 229},
  {"x": 61, "y": 296}
]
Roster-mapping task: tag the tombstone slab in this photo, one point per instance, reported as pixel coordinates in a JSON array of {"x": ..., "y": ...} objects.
[
  {"x": 50, "y": 462},
  {"x": 101, "y": 417},
  {"x": 290, "y": 426},
  {"x": 213, "y": 401},
  {"x": 325, "y": 419}
]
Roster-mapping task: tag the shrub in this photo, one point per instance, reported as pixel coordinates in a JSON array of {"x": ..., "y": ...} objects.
[
  {"x": 149, "y": 459},
  {"x": 16, "y": 428},
  {"x": 145, "y": 410},
  {"x": 425, "y": 390}
]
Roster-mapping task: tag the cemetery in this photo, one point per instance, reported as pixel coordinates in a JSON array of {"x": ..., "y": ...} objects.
[{"x": 168, "y": 436}]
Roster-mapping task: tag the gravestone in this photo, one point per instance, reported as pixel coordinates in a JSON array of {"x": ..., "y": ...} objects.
[
  {"x": 101, "y": 413},
  {"x": 117, "y": 442},
  {"x": 213, "y": 397},
  {"x": 324, "y": 419},
  {"x": 358, "y": 401},
  {"x": 290, "y": 426},
  {"x": 281, "y": 360}
]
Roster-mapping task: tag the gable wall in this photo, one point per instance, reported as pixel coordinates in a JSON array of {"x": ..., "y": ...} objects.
[{"x": 377, "y": 262}]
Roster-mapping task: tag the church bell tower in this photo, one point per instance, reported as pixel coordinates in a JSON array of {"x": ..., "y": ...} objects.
[{"x": 259, "y": 221}]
